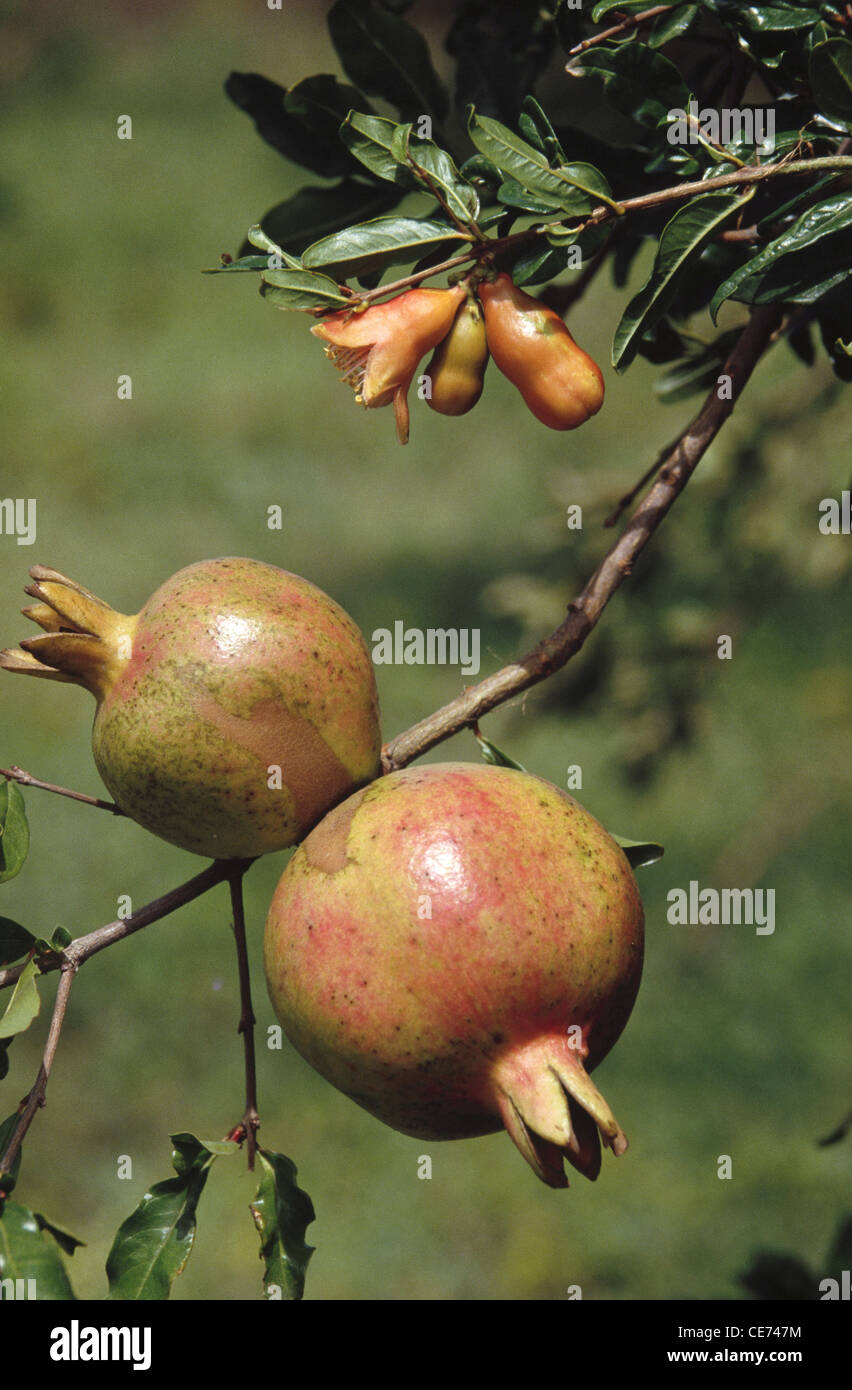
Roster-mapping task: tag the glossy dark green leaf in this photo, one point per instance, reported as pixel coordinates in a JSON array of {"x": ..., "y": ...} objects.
[
  {"x": 316, "y": 212},
  {"x": 513, "y": 195},
  {"x": 387, "y": 57},
  {"x": 639, "y": 852},
  {"x": 478, "y": 167},
  {"x": 672, "y": 25},
  {"x": 539, "y": 263},
  {"x": 7, "y": 1129},
  {"x": 603, "y": 7},
  {"x": 265, "y": 103},
  {"x": 576, "y": 187},
  {"x": 282, "y": 1213},
  {"x": 683, "y": 238},
  {"x": 15, "y": 941},
  {"x": 371, "y": 140},
  {"x": 14, "y": 830},
  {"x": 639, "y": 81},
  {"x": 828, "y": 223},
  {"x": 534, "y": 121},
  {"x": 764, "y": 19},
  {"x": 830, "y": 73},
  {"x": 382, "y": 242},
  {"x": 436, "y": 171},
  {"x": 242, "y": 264},
  {"x": 60, "y": 938},
  {"x": 27, "y": 1254},
  {"x": 24, "y": 1004},
  {"x": 492, "y": 754},
  {"x": 152, "y": 1246},
  {"x": 256, "y": 236},
  {"x": 64, "y": 1239},
  {"x": 301, "y": 290}
]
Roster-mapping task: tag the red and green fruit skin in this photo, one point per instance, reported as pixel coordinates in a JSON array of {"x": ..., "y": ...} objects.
[{"x": 454, "y": 947}]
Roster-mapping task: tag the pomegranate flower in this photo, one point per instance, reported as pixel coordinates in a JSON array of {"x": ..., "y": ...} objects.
[{"x": 377, "y": 351}]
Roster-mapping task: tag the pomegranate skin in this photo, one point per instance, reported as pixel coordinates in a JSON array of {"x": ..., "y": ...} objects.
[
  {"x": 455, "y": 947},
  {"x": 234, "y": 709}
]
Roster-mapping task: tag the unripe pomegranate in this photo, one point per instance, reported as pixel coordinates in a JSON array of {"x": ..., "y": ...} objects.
[
  {"x": 529, "y": 342},
  {"x": 233, "y": 711},
  {"x": 457, "y": 369},
  {"x": 455, "y": 947}
]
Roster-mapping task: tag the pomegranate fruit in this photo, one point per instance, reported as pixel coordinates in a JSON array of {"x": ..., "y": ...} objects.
[
  {"x": 560, "y": 383},
  {"x": 455, "y": 947},
  {"x": 233, "y": 711},
  {"x": 457, "y": 368}
]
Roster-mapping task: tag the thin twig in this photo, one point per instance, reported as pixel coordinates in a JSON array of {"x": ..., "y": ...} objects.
[
  {"x": 554, "y": 651},
  {"x": 26, "y": 779},
  {"x": 251, "y": 1119},
  {"x": 631, "y": 22},
  {"x": 35, "y": 1099},
  {"x": 85, "y": 946}
]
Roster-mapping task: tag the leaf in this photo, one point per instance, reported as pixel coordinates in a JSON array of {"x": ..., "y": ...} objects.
[
  {"x": 603, "y": 7},
  {"x": 242, "y": 264},
  {"x": 672, "y": 25},
  {"x": 538, "y": 263},
  {"x": 537, "y": 123},
  {"x": 282, "y": 1213},
  {"x": 301, "y": 289},
  {"x": 256, "y": 236},
  {"x": 265, "y": 103},
  {"x": 7, "y": 1129},
  {"x": 512, "y": 195},
  {"x": 14, "y": 830},
  {"x": 829, "y": 218},
  {"x": 639, "y": 852},
  {"x": 442, "y": 178},
  {"x": 387, "y": 57},
  {"x": 638, "y": 81},
  {"x": 152, "y": 1246},
  {"x": 321, "y": 103},
  {"x": 61, "y": 938},
  {"x": 381, "y": 242},
  {"x": 15, "y": 941},
  {"x": 830, "y": 76},
  {"x": 24, "y": 1004},
  {"x": 370, "y": 139},
  {"x": 772, "y": 18},
  {"x": 576, "y": 187},
  {"x": 697, "y": 372},
  {"x": 683, "y": 238},
  {"x": 64, "y": 1239},
  {"x": 26, "y": 1253},
  {"x": 317, "y": 212},
  {"x": 492, "y": 754}
]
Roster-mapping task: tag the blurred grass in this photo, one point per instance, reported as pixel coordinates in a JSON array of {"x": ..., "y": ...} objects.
[{"x": 736, "y": 1045}]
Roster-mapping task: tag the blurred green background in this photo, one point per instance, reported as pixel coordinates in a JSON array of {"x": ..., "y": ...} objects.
[{"x": 739, "y": 1043}]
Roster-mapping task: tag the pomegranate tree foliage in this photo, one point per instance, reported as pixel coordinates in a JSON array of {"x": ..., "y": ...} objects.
[{"x": 649, "y": 140}]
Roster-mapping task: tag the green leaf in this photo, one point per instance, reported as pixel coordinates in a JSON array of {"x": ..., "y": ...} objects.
[
  {"x": 672, "y": 25},
  {"x": 638, "y": 81},
  {"x": 697, "y": 372},
  {"x": 575, "y": 187},
  {"x": 492, "y": 754},
  {"x": 371, "y": 140},
  {"x": 24, "y": 1004},
  {"x": 382, "y": 242},
  {"x": 7, "y": 1129},
  {"x": 26, "y": 1253},
  {"x": 64, "y": 1239},
  {"x": 764, "y": 19},
  {"x": 830, "y": 75},
  {"x": 282, "y": 1213},
  {"x": 14, "y": 830},
  {"x": 603, "y": 7},
  {"x": 534, "y": 121},
  {"x": 152, "y": 1246},
  {"x": 639, "y": 852},
  {"x": 243, "y": 263},
  {"x": 538, "y": 263},
  {"x": 61, "y": 938},
  {"x": 265, "y": 103},
  {"x": 321, "y": 103},
  {"x": 387, "y": 57},
  {"x": 831, "y": 218},
  {"x": 437, "y": 172},
  {"x": 317, "y": 212},
  {"x": 683, "y": 238},
  {"x": 512, "y": 195},
  {"x": 301, "y": 289},
  {"x": 15, "y": 941},
  {"x": 256, "y": 236}
]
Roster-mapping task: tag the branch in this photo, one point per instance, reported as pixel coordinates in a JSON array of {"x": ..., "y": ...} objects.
[
  {"x": 251, "y": 1120},
  {"x": 85, "y": 946},
  {"x": 26, "y": 779},
  {"x": 631, "y": 22},
  {"x": 583, "y": 613},
  {"x": 35, "y": 1099}
]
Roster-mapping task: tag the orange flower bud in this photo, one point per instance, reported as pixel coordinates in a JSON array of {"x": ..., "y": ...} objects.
[
  {"x": 532, "y": 347},
  {"x": 377, "y": 351},
  {"x": 457, "y": 368}
]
